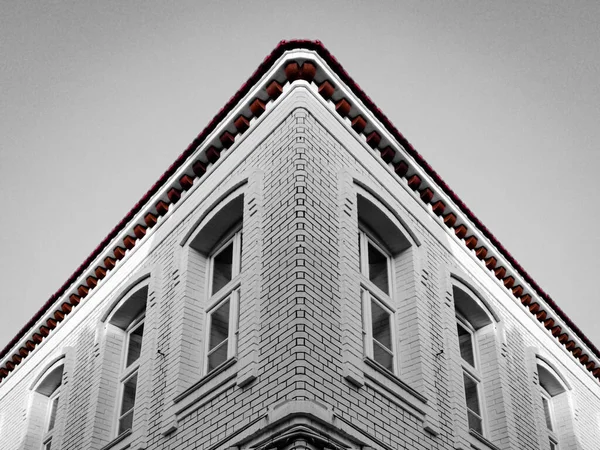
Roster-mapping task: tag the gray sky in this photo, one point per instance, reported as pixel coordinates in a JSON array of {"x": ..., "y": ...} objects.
[{"x": 98, "y": 98}]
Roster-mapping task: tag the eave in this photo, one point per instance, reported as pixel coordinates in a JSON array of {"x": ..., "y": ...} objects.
[{"x": 291, "y": 61}]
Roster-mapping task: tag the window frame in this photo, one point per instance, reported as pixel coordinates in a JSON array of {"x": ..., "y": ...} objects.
[
  {"x": 234, "y": 235},
  {"x": 49, "y": 431},
  {"x": 127, "y": 372},
  {"x": 550, "y": 430},
  {"x": 371, "y": 293},
  {"x": 554, "y": 389},
  {"x": 228, "y": 292},
  {"x": 474, "y": 373}
]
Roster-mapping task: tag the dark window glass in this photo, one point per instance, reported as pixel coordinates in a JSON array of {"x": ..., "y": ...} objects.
[
  {"x": 53, "y": 409},
  {"x": 472, "y": 398},
  {"x": 222, "y": 268},
  {"x": 546, "y": 404},
  {"x": 382, "y": 336},
  {"x": 128, "y": 403},
  {"x": 135, "y": 345},
  {"x": 465, "y": 341},
  {"x": 219, "y": 333},
  {"x": 378, "y": 269}
]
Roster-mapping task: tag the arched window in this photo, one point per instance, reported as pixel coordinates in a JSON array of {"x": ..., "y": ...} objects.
[
  {"x": 476, "y": 342},
  {"x": 554, "y": 404},
  {"x": 128, "y": 318},
  {"x": 46, "y": 403},
  {"x": 218, "y": 261},
  {"x": 380, "y": 245}
]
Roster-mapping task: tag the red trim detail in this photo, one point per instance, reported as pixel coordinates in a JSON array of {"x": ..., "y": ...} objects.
[
  {"x": 186, "y": 182},
  {"x": 119, "y": 253},
  {"x": 490, "y": 263},
  {"x": 227, "y": 139},
  {"x": 358, "y": 124},
  {"x": 414, "y": 182},
  {"x": 534, "y": 307},
  {"x": 438, "y": 208},
  {"x": 461, "y": 231},
  {"x": 212, "y": 154},
  {"x": 199, "y": 168},
  {"x": 82, "y": 290},
  {"x": 139, "y": 231},
  {"x": 387, "y": 154},
  {"x": 109, "y": 262},
  {"x": 92, "y": 282},
  {"x": 150, "y": 220},
  {"x": 308, "y": 71},
  {"x": 343, "y": 107},
  {"x": 373, "y": 139},
  {"x": 257, "y": 107},
  {"x": 500, "y": 272},
  {"x": 292, "y": 71},
  {"x": 509, "y": 282},
  {"x": 274, "y": 90},
  {"x": 129, "y": 242},
  {"x": 162, "y": 208},
  {"x": 100, "y": 272},
  {"x": 282, "y": 47},
  {"x": 326, "y": 89},
  {"x": 471, "y": 242},
  {"x": 241, "y": 124},
  {"x": 449, "y": 219},
  {"x": 426, "y": 195},
  {"x": 401, "y": 168},
  {"x": 517, "y": 290},
  {"x": 174, "y": 195}
]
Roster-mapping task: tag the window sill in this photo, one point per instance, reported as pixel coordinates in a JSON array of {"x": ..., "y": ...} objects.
[
  {"x": 478, "y": 441},
  {"x": 397, "y": 391},
  {"x": 122, "y": 441},
  {"x": 196, "y": 396}
]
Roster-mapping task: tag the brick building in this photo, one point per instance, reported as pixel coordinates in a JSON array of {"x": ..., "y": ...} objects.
[{"x": 300, "y": 278}]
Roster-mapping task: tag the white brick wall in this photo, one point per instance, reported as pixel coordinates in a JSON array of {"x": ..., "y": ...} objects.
[{"x": 300, "y": 325}]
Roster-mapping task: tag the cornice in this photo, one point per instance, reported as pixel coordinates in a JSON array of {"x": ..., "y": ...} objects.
[{"x": 309, "y": 61}]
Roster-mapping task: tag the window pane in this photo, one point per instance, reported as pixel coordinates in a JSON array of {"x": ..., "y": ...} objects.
[
  {"x": 219, "y": 326},
  {"x": 465, "y": 341},
  {"x": 382, "y": 331},
  {"x": 378, "y": 269},
  {"x": 553, "y": 445},
  {"x": 222, "y": 264},
  {"x": 546, "y": 404},
  {"x": 135, "y": 345},
  {"x": 471, "y": 394},
  {"x": 53, "y": 409},
  {"x": 126, "y": 422},
  {"x": 129, "y": 389},
  {"x": 383, "y": 356},
  {"x": 48, "y": 445},
  {"x": 218, "y": 356},
  {"x": 475, "y": 422}
]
